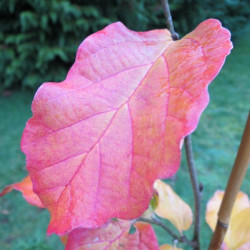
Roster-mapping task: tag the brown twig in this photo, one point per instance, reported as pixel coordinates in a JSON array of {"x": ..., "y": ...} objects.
[
  {"x": 159, "y": 223},
  {"x": 188, "y": 146},
  {"x": 234, "y": 183},
  {"x": 196, "y": 189},
  {"x": 178, "y": 238},
  {"x": 169, "y": 20}
]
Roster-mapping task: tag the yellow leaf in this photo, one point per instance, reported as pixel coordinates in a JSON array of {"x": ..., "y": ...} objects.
[
  {"x": 169, "y": 247},
  {"x": 172, "y": 207},
  {"x": 245, "y": 246},
  {"x": 213, "y": 207},
  {"x": 241, "y": 202},
  {"x": 238, "y": 232},
  {"x": 147, "y": 214},
  {"x": 239, "y": 229}
]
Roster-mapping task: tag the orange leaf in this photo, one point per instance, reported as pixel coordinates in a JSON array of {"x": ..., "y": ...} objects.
[
  {"x": 172, "y": 207},
  {"x": 64, "y": 239},
  {"x": 26, "y": 188},
  {"x": 169, "y": 247}
]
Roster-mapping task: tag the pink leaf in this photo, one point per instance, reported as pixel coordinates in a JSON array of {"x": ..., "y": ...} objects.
[
  {"x": 98, "y": 140},
  {"x": 114, "y": 235}
]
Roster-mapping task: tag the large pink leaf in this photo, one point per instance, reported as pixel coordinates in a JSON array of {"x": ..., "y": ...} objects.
[
  {"x": 114, "y": 235},
  {"x": 98, "y": 140}
]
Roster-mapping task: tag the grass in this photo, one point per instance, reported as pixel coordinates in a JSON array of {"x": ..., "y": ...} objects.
[
  {"x": 215, "y": 143},
  {"x": 21, "y": 226}
]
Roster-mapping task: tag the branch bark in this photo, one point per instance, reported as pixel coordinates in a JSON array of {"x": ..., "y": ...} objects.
[
  {"x": 188, "y": 146},
  {"x": 178, "y": 238},
  {"x": 196, "y": 189},
  {"x": 169, "y": 20}
]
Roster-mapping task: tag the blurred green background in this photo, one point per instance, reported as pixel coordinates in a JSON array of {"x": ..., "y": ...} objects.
[{"x": 38, "y": 41}]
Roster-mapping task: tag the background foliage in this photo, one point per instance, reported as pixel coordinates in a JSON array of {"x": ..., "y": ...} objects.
[{"x": 38, "y": 39}]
